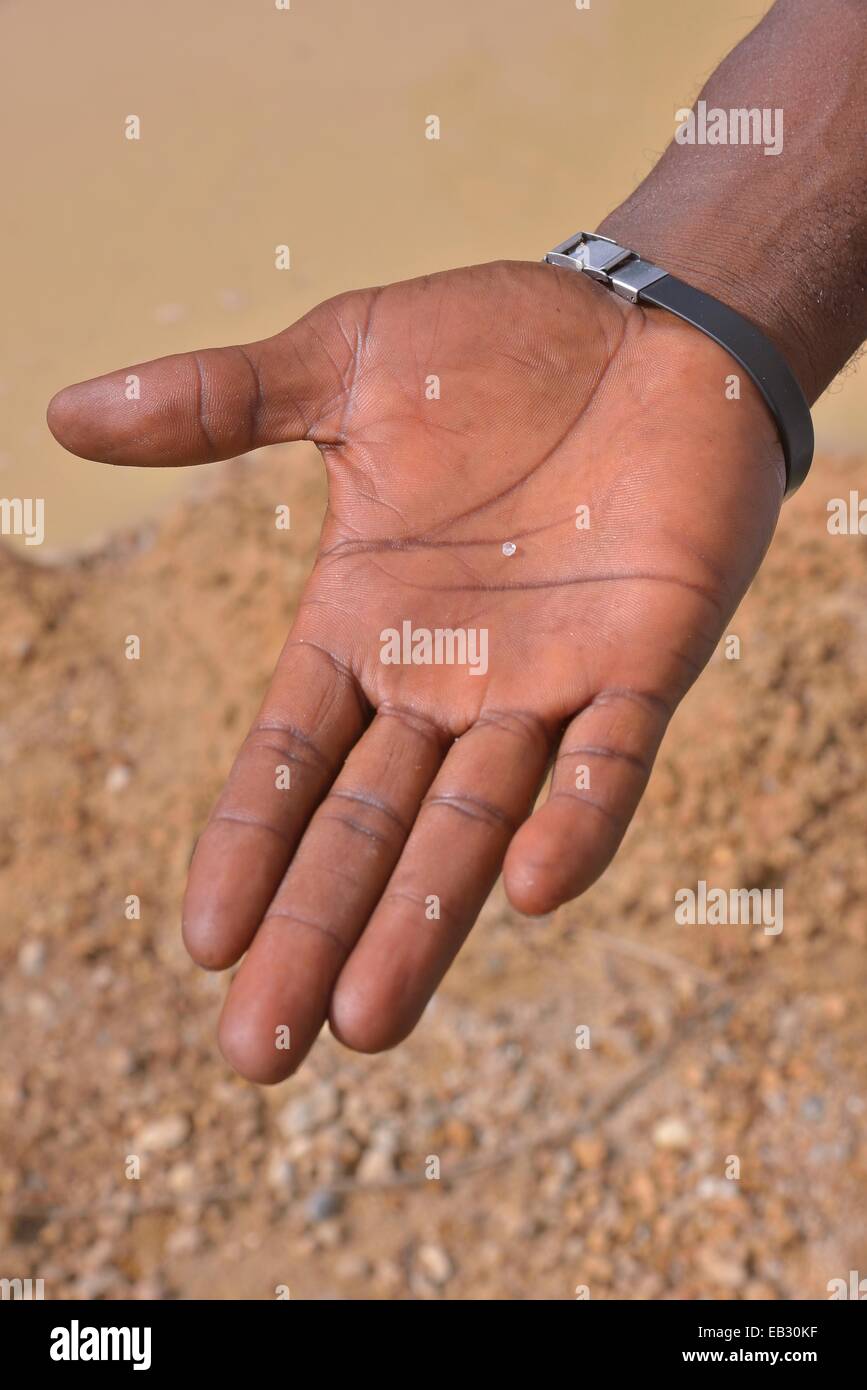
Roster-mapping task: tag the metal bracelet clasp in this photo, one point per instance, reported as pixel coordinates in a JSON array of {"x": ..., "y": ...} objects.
[
  {"x": 604, "y": 260},
  {"x": 596, "y": 255}
]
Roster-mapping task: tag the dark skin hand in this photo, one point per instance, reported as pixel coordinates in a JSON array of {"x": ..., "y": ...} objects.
[{"x": 412, "y": 781}]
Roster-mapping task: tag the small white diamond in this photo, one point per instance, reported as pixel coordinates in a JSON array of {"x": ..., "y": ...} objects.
[{"x": 509, "y": 547}]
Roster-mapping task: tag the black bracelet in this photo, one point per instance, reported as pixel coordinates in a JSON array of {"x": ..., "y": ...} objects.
[{"x": 640, "y": 282}]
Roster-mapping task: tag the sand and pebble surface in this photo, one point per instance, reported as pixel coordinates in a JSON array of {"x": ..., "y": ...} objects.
[{"x": 560, "y": 1168}]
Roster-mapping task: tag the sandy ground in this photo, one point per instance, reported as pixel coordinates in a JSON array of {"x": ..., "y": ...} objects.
[{"x": 603, "y": 1167}]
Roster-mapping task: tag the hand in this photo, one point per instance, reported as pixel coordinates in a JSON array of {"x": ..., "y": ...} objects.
[{"x": 410, "y": 784}]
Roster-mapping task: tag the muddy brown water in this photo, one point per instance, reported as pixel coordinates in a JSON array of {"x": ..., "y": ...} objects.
[{"x": 303, "y": 127}]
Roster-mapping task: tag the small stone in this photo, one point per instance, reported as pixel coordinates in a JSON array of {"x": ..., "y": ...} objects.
[
  {"x": 712, "y": 1189},
  {"x": 117, "y": 778},
  {"x": 309, "y": 1112},
  {"x": 672, "y": 1133},
  {"x": 509, "y": 547},
  {"x": 378, "y": 1161},
  {"x": 376, "y": 1166},
  {"x": 280, "y": 1175},
  {"x": 182, "y": 1178},
  {"x": 323, "y": 1205},
  {"x": 39, "y": 1007},
  {"x": 166, "y": 1133},
  {"x": 435, "y": 1264},
  {"x": 327, "y": 1235},
  {"x": 121, "y": 1061},
  {"x": 812, "y": 1108},
  {"x": 31, "y": 957},
  {"x": 298, "y": 1148},
  {"x": 23, "y": 648}
]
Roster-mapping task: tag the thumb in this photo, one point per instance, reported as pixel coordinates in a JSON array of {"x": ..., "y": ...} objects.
[{"x": 197, "y": 407}]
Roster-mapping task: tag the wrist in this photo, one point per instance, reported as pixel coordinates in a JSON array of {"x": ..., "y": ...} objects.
[
  {"x": 637, "y": 280},
  {"x": 719, "y": 256},
  {"x": 778, "y": 234}
]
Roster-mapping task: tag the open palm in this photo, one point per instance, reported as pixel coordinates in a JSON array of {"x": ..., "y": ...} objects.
[{"x": 551, "y": 501}]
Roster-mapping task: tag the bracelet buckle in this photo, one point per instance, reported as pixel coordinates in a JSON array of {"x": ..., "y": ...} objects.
[{"x": 614, "y": 266}]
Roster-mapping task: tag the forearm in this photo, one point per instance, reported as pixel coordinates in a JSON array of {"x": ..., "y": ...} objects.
[{"x": 780, "y": 237}]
